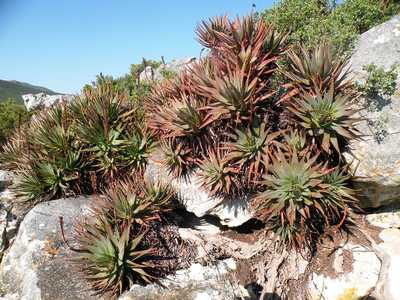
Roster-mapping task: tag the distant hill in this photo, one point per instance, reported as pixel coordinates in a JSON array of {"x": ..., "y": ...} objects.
[{"x": 15, "y": 89}]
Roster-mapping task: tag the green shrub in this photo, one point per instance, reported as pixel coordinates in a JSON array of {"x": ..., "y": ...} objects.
[
  {"x": 379, "y": 83},
  {"x": 304, "y": 19},
  {"x": 12, "y": 116},
  {"x": 313, "y": 21}
]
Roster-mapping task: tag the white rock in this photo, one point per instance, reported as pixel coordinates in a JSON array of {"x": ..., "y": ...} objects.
[
  {"x": 32, "y": 101},
  {"x": 362, "y": 278},
  {"x": 389, "y": 217},
  {"x": 391, "y": 247},
  {"x": 6, "y": 178}
]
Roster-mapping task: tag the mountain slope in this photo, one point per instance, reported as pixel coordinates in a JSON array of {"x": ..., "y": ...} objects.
[{"x": 15, "y": 89}]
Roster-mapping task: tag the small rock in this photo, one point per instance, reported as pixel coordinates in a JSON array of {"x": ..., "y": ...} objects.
[{"x": 6, "y": 178}]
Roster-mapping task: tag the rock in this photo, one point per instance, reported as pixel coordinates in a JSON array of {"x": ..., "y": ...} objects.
[
  {"x": 379, "y": 45},
  {"x": 391, "y": 248},
  {"x": 376, "y": 158},
  {"x": 231, "y": 212},
  {"x": 196, "y": 283},
  {"x": 6, "y": 178},
  {"x": 36, "y": 265},
  {"x": 8, "y": 227},
  {"x": 33, "y": 101},
  {"x": 387, "y": 217},
  {"x": 174, "y": 66},
  {"x": 359, "y": 282}
]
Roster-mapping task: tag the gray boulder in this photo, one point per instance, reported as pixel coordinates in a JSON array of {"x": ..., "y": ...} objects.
[
  {"x": 379, "y": 45},
  {"x": 36, "y": 266},
  {"x": 376, "y": 158},
  {"x": 174, "y": 66},
  {"x": 231, "y": 212}
]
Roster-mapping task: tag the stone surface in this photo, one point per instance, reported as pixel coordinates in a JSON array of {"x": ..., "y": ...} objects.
[
  {"x": 360, "y": 281},
  {"x": 6, "y": 179},
  {"x": 157, "y": 73},
  {"x": 196, "y": 283},
  {"x": 391, "y": 248},
  {"x": 231, "y": 212},
  {"x": 376, "y": 158},
  {"x": 33, "y": 101},
  {"x": 36, "y": 265},
  {"x": 379, "y": 45},
  {"x": 387, "y": 217}
]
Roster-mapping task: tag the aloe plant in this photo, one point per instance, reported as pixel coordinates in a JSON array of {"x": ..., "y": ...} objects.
[
  {"x": 111, "y": 259},
  {"x": 327, "y": 118},
  {"x": 317, "y": 70},
  {"x": 253, "y": 149},
  {"x": 301, "y": 193}
]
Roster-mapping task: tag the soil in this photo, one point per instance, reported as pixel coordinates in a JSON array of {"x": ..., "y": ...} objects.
[
  {"x": 320, "y": 260},
  {"x": 171, "y": 253}
]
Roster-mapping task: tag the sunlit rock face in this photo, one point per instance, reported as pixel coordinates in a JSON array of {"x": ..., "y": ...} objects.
[{"x": 376, "y": 157}]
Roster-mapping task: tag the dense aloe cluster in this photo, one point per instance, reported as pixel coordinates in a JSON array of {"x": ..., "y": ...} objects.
[
  {"x": 78, "y": 147},
  {"x": 256, "y": 115},
  {"x": 112, "y": 254},
  {"x": 247, "y": 125}
]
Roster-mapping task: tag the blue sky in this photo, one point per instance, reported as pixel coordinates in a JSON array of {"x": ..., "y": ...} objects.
[{"x": 63, "y": 44}]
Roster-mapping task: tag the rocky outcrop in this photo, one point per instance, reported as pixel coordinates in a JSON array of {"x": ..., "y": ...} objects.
[
  {"x": 36, "y": 266},
  {"x": 159, "y": 73},
  {"x": 376, "y": 157},
  {"x": 33, "y": 101},
  {"x": 231, "y": 212}
]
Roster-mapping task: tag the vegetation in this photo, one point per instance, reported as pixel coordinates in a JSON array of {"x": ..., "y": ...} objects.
[
  {"x": 226, "y": 117},
  {"x": 112, "y": 254},
  {"x": 264, "y": 113},
  {"x": 79, "y": 147},
  {"x": 12, "y": 116},
  {"x": 376, "y": 90},
  {"x": 313, "y": 21},
  {"x": 379, "y": 83}
]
